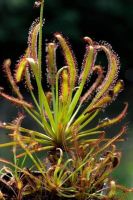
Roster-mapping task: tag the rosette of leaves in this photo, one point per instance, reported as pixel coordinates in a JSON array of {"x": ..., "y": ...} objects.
[{"x": 79, "y": 159}]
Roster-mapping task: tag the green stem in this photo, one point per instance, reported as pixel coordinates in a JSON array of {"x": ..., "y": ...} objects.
[
  {"x": 53, "y": 97},
  {"x": 34, "y": 117},
  {"x": 35, "y": 101},
  {"x": 89, "y": 120},
  {"x": 57, "y": 94},
  {"x": 73, "y": 116},
  {"x": 40, "y": 40}
]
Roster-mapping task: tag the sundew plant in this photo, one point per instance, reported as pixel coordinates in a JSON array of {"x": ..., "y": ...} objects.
[{"x": 77, "y": 160}]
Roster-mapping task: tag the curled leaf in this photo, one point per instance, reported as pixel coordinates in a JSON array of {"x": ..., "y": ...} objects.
[
  {"x": 20, "y": 70},
  {"x": 111, "y": 77},
  {"x": 108, "y": 122},
  {"x": 87, "y": 68},
  {"x": 88, "y": 94},
  {"x": 88, "y": 62},
  {"x": 34, "y": 66},
  {"x": 70, "y": 59},
  {"x": 105, "y": 100}
]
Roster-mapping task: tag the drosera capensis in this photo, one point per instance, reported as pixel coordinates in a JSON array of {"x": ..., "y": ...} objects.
[{"x": 77, "y": 160}]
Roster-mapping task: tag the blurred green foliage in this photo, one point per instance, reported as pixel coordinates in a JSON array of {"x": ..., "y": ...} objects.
[{"x": 100, "y": 19}]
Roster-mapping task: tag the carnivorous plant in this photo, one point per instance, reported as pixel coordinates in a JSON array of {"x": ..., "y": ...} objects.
[{"x": 78, "y": 157}]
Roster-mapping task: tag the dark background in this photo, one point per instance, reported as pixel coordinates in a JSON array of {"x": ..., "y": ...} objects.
[{"x": 108, "y": 20}]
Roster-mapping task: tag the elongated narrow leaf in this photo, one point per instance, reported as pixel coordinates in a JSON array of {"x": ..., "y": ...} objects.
[
  {"x": 70, "y": 59},
  {"x": 43, "y": 97},
  {"x": 111, "y": 77},
  {"x": 88, "y": 64},
  {"x": 16, "y": 101},
  {"x": 88, "y": 94},
  {"x": 65, "y": 88},
  {"x": 7, "y": 70},
  {"x": 51, "y": 63},
  {"x": 20, "y": 70},
  {"x": 108, "y": 122},
  {"x": 32, "y": 40}
]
